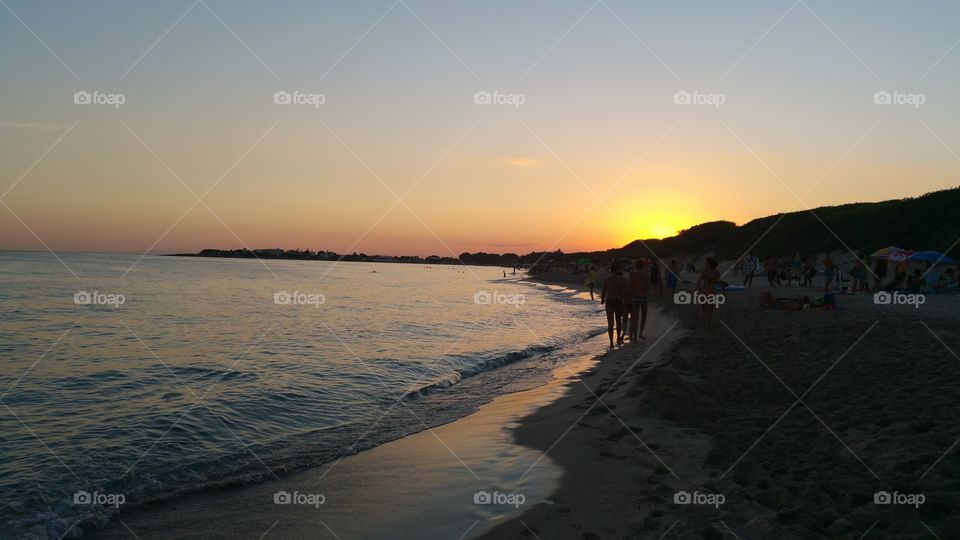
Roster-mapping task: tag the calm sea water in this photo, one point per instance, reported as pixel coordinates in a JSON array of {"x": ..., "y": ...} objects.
[{"x": 191, "y": 373}]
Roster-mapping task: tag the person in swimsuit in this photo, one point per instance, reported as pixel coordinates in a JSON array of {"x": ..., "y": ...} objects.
[
  {"x": 707, "y": 284},
  {"x": 639, "y": 282},
  {"x": 613, "y": 294}
]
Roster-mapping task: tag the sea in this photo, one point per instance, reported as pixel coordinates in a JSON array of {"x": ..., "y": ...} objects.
[{"x": 129, "y": 380}]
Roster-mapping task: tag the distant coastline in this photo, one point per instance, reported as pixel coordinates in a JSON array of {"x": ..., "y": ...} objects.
[
  {"x": 310, "y": 255},
  {"x": 928, "y": 222},
  {"x": 508, "y": 260}
]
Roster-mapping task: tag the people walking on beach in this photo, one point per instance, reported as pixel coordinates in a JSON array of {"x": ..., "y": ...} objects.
[
  {"x": 639, "y": 282},
  {"x": 707, "y": 284},
  {"x": 613, "y": 294},
  {"x": 829, "y": 269},
  {"x": 591, "y": 280},
  {"x": 751, "y": 265}
]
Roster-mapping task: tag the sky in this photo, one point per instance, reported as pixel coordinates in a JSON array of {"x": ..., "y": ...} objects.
[{"x": 437, "y": 127}]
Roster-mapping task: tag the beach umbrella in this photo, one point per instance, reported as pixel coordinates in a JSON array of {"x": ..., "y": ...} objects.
[
  {"x": 931, "y": 256},
  {"x": 892, "y": 253}
]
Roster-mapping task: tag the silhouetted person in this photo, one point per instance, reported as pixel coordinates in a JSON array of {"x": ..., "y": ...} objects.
[
  {"x": 615, "y": 289},
  {"x": 639, "y": 282}
]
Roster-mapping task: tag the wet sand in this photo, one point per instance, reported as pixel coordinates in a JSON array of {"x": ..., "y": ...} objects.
[{"x": 420, "y": 486}]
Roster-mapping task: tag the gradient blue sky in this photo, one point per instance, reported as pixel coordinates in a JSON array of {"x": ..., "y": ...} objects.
[{"x": 598, "y": 122}]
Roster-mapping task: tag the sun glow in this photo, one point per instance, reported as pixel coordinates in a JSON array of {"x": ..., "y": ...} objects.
[
  {"x": 654, "y": 226},
  {"x": 659, "y": 230}
]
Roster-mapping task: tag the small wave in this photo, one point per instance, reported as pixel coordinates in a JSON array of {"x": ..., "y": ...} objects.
[
  {"x": 452, "y": 378},
  {"x": 202, "y": 372}
]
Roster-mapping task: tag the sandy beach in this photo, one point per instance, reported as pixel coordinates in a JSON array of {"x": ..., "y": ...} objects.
[{"x": 774, "y": 424}]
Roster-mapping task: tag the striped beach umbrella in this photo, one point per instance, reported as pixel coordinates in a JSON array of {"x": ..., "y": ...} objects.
[{"x": 892, "y": 253}]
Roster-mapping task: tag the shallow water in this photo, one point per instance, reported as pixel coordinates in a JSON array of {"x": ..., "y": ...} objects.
[{"x": 200, "y": 378}]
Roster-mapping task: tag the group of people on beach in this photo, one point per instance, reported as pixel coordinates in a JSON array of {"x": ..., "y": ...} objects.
[
  {"x": 778, "y": 270},
  {"x": 625, "y": 299},
  {"x": 625, "y": 288},
  {"x": 930, "y": 279},
  {"x": 624, "y": 294},
  {"x": 863, "y": 276}
]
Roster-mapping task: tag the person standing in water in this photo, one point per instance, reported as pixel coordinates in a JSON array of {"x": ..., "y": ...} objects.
[
  {"x": 591, "y": 280},
  {"x": 639, "y": 282},
  {"x": 613, "y": 294}
]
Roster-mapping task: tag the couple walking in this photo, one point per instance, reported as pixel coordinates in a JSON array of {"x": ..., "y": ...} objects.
[{"x": 625, "y": 299}]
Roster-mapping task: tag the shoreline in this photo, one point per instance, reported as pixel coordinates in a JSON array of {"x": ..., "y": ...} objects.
[
  {"x": 447, "y": 458},
  {"x": 568, "y": 430},
  {"x": 384, "y": 491}
]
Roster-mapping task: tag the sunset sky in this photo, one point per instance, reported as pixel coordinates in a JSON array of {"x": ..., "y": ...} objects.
[{"x": 591, "y": 150}]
